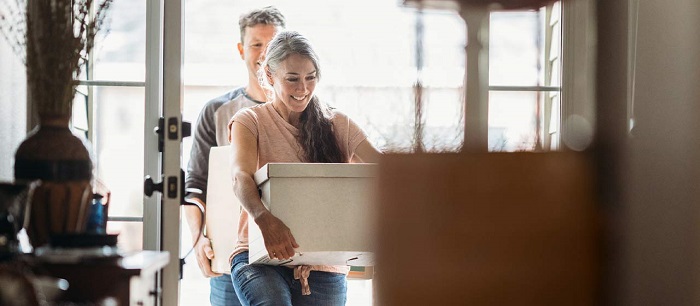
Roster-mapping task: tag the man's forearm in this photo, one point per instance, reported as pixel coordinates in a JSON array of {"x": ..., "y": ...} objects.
[{"x": 195, "y": 218}]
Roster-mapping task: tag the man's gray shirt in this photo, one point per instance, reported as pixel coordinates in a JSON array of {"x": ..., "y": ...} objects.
[{"x": 211, "y": 130}]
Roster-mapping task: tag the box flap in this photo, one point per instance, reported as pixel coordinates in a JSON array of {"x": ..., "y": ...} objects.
[{"x": 313, "y": 170}]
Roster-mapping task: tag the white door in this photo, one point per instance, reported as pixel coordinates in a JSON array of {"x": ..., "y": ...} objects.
[
  {"x": 133, "y": 80},
  {"x": 164, "y": 100}
]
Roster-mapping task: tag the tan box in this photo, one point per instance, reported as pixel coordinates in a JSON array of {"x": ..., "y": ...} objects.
[
  {"x": 328, "y": 208},
  {"x": 223, "y": 209},
  {"x": 488, "y": 229}
]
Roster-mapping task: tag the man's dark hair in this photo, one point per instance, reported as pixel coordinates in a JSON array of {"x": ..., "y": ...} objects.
[{"x": 266, "y": 15}]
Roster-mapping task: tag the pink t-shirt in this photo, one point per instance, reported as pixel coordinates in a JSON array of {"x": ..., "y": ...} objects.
[{"x": 277, "y": 143}]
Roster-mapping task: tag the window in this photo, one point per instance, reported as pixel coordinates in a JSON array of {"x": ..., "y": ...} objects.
[
  {"x": 110, "y": 108},
  {"x": 524, "y": 66},
  {"x": 13, "y": 123}
]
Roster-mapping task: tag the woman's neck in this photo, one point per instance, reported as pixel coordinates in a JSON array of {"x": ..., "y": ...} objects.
[{"x": 289, "y": 116}]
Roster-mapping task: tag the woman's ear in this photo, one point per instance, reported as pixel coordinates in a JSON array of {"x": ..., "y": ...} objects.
[{"x": 268, "y": 74}]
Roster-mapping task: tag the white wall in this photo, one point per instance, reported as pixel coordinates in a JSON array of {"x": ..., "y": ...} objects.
[
  {"x": 662, "y": 207},
  {"x": 13, "y": 108}
]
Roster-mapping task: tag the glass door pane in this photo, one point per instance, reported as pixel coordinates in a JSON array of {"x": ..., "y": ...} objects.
[
  {"x": 119, "y": 121},
  {"x": 121, "y": 55},
  {"x": 512, "y": 120},
  {"x": 514, "y": 48}
]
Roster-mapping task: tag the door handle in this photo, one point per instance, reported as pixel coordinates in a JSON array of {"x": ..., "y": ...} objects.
[{"x": 149, "y": 186}]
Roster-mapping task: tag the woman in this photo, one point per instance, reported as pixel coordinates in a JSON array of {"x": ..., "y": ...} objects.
[{"x": 294, "y": 126}]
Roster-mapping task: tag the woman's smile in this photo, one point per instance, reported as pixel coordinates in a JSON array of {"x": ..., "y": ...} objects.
[{"x": 299, "y": 98}]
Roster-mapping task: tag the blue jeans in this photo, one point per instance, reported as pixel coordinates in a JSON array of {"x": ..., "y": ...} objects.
[
  {"x": 275, "y": 285},
  {"x": 222, "y": 292}
]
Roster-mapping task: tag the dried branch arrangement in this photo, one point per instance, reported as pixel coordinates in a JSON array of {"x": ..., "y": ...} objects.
[{"x": 53, "y": 38}]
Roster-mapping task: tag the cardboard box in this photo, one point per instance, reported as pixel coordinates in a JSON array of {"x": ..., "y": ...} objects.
[
  {"x": 488, "y": 229},
  {"x": 223, "y": 209},
  {"x": 361, "y": 273},
  {"x": 328, "y": 207}
]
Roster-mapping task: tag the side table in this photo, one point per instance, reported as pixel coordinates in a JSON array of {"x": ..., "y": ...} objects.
[{"x": 129, "y": 280}]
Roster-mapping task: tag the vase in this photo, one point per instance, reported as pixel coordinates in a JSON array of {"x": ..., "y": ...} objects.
[{"x": 60, "y": 165}]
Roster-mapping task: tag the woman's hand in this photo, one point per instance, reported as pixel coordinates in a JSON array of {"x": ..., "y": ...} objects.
[
  {"x": 205, "y": 254},
  {"x": 279, "y": 241}
]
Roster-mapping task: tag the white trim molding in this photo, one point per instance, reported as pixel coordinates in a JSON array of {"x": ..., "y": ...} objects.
[{"x": 578, "y": 68}]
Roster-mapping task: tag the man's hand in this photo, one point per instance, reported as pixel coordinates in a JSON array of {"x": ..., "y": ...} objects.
[
  {"x": 202, "y": 247},
  {"x": 279, "y": 242},
  {"x": 205, "y": 254}
]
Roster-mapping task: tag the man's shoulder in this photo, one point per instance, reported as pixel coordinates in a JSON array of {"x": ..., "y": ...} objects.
[
  {"x": 237, "y": 103},
  {"x": 228, "y": 97}
]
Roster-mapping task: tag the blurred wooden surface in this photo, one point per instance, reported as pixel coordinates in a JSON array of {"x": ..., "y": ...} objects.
[
  {"x": 487, "y": 229},
  {"x": 130, "y": 280}
]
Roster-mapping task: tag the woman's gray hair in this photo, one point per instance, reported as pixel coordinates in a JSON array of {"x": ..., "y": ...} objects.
[
  {"x": 316, "y": 136},
  {"x": 283, "y": 45}
]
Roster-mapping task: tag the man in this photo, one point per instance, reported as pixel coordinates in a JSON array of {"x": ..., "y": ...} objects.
[{"x": 257, "y": 27}]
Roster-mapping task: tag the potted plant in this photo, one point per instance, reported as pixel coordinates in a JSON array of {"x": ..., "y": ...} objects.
[{"x": 53, "y": 38}]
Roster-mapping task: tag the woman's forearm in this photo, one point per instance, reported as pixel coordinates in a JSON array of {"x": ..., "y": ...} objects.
[{"x": 247, "y": 192}]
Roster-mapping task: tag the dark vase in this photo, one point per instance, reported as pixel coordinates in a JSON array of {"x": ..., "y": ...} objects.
[{"x": 60, "y": 164}]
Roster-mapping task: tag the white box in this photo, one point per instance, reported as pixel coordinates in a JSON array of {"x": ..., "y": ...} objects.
[
  {"x": 328, "y": 208},
  {"x": 223, "y": 209}
]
